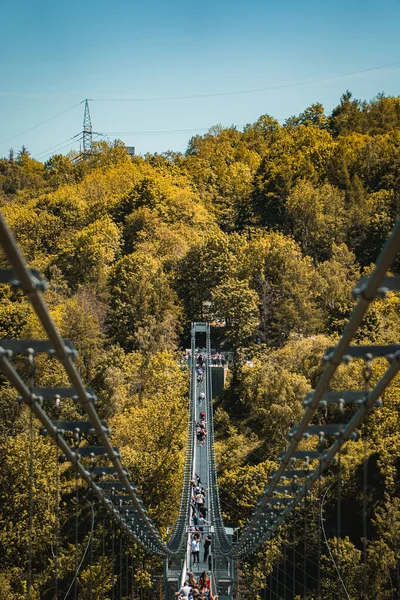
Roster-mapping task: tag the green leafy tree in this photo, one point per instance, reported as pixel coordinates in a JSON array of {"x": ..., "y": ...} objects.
[
  {"x": 88, "y": 255},
  {"x": 318, "y": 217},
  {"x": 235, "y": 303},
  {"x": 283, "y": 279},
  {"x": 144, "y": 309}
]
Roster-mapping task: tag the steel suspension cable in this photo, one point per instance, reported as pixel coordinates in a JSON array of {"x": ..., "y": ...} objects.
[
  {"x": 284, "y": 567},
  {"x": 91, "y": 565},
  {"x": 294, "y": 555},
  {"x": 127, "y": 567},
  {"x": 76, "y": 533},
  {"x": 365, "y": 509},
  {"x": 57, "y": 527},
  {"x": 86, "y": 549},
  {"x": 112, "y": 561},
  {"x": 32, "y": 383},
  {"x": 120, "y": 566},
  {"x": 319, "y": 539},
  {"x": 339, "y": 517},
  {"x": 103, "y": 555},
  {"x": 30, "y": 513},
  {"x": 313, "y": 564},
  {"x": 328, "y": 545},
  {"x": 367, "y": 378},
  {"x": 305, "y": 549},
  {"x": 309, "y": 575}
]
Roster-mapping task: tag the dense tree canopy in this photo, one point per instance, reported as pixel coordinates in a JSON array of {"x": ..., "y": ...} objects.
[{"x": 264, "y": 233}]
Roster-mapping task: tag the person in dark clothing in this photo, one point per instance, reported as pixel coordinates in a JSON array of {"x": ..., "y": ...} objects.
[{"x": 207, "y": 544}]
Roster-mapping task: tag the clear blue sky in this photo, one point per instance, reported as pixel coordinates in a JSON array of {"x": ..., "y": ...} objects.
[{"x": 55, "y": 54}]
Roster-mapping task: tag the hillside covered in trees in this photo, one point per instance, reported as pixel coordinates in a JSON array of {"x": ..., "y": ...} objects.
[{"x": 264, "y": 232}]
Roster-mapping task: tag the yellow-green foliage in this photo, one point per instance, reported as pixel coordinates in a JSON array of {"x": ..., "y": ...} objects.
[{"x": 264, "y": 232}]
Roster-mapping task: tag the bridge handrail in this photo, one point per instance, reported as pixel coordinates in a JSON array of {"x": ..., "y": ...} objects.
[
  {"x": 178, "y": 540},
  {"x": 223, "y": 542},
  {"x": 31, "y": 289},
  {"x": 256, "y": 530}
]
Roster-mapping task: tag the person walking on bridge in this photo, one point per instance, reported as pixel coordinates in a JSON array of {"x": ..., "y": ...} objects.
[
  {"x": 201, "y": 522},
  {"x": 205, "y": 581},
  {"x": 196, "y": 550},
  {"x": 184, "y": 591},
  {"x": 207, "y": 544},
  {"x": 192, "y": 581}
]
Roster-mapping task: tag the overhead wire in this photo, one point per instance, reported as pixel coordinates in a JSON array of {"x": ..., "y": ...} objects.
[
  {"x": 248, "y": 91},
  {"x": 157, "y": 132},
  {"x": 42, "y": 123},
  {"x": 45, "y": 155},
  {"x": 200, "y": 96},
  {"x": 42, "y": 155},
  {"x": 56, "y": 146}
]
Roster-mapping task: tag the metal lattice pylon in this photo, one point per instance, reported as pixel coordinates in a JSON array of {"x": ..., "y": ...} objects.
[{"x": 87, "y": 132}]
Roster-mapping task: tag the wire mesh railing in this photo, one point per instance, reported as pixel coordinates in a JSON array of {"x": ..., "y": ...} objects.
[
  {"x": 278, "y": 500},
  {"x": 119, "y": 498}
]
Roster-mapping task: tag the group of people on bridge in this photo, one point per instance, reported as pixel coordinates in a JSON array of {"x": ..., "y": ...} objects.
[
  {"x": 218, "y": 359},
  {"x": 201, "y": 428},
  {"x": 198, "y": 521},
  {"x": 196, "y": 590}
]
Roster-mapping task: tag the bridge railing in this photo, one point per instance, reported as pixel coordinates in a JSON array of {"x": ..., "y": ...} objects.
[
  {"x": 222, "y": 540},
  {"x": 275, "y": 504},
  {"x": 178, "y": 541},
  {"x": 134, "y": 519}
]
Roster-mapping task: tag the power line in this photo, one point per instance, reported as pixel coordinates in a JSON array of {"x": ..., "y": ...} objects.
[
  {"x": 194, "y": 96},
  {"x": 64, "y": 144},
  {"x": 42, "y": 123},
  {"x": 156, "y": 132},
  {"x": 46, "y": 153},
  {"x": 170, "y": 131},
  {"x": 56, "y": 145},
  {"x": 249, "y": 91}
]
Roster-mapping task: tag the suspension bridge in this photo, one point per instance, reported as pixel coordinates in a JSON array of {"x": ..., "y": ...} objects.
[{"x": 314, "y": 444}]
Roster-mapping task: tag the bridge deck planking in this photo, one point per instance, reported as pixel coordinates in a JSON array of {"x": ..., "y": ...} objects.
[{"x": 201, "y": 468}]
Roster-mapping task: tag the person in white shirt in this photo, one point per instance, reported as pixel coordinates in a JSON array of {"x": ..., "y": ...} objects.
[
  {"x": 184, "y": 591},
  {"x": 196, "y": 550}
]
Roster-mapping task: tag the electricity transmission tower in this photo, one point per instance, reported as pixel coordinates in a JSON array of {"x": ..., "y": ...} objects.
[{"x": 87, "y": 133}]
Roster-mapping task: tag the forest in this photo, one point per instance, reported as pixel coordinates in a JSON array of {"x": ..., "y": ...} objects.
[{"x": 263, "y": 232}]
